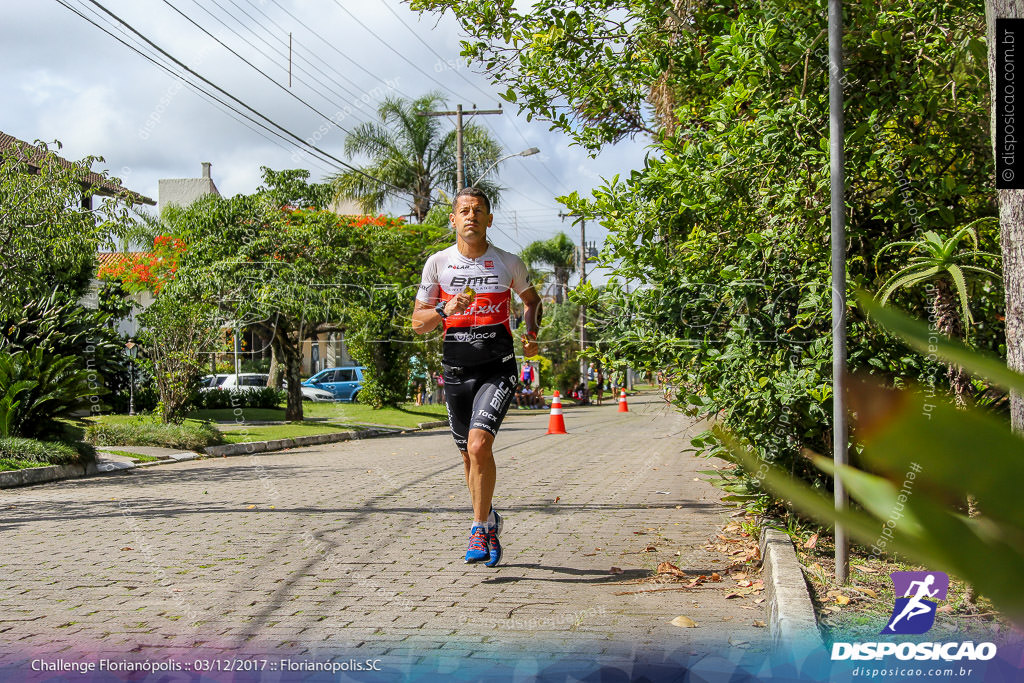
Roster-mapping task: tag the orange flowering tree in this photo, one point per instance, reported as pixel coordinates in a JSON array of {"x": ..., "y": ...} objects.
[
  {"x": 294, "y": 273},
  {"x": 146, "y": 271}
]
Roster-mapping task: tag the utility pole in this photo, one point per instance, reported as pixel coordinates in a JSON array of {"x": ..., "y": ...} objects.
[
  {"x": 840, "y": 439},
  {"x": 460, "y": 172},
  {"x": 583, "y": 308}
]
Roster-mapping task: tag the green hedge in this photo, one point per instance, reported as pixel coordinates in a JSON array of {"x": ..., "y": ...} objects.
[
  {"x": 15, "y": 448},
  {"x": 148, "y": 431}
]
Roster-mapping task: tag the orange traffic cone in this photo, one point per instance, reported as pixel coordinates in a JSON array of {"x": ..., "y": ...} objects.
[
  {"x": 556, "y": 423},
  {"x": 623, "y": 406}
]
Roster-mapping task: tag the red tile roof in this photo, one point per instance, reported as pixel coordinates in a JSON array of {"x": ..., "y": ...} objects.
[
  {"x": 109, "y": 258},
  {"x": 108, "y": 187}
]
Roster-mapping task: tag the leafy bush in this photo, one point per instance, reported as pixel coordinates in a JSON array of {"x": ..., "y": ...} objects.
[
  {"x": 37, "y": 387},
  {"x": 913, "y": 472},
  {"x": 60, "y": 326},
  {"x": 267, "y": 397},
  {"x": 150, "y": 431},
  {"x": 39, "y": 452}
]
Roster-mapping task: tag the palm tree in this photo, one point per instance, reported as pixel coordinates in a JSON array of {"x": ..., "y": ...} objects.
[
  {"x": 939, "y": 260},
  {"x": 413, "y": 156},
  {"x": 559, "y": 255}
]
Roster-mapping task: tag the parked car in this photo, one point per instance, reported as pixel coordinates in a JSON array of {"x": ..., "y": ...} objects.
[
  {"x": 251, "y": 381},
  {"x": 343, "y": 383}
]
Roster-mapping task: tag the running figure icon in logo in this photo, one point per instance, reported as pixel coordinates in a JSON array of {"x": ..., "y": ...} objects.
[{"x": 917, "y": 593}]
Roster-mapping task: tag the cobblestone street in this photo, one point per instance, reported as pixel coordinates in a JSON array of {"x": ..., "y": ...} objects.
[{"x": 357, "y": 547}]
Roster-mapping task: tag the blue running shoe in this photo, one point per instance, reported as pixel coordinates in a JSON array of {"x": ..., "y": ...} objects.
[
  {"x": 498, "y": 521},
  {"x": 477, "y": 544},
  {"x": 492, "y": 541}
]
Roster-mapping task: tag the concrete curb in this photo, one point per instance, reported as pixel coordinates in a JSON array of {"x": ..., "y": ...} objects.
[
  {"x": 39, "y": 475},
  {"x": 791, "y": 619}
]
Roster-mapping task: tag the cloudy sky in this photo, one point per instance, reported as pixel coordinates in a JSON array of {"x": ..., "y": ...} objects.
[{"x": 67, "y": 80}]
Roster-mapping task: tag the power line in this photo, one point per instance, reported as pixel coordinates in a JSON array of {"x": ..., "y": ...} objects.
[
  {"x": 387, "y": 45},
  {"x": 333, "y": 47},
  {"x": 190, "y": 84},
  {"x": 260, "y": 38},
  {"x": 429, "y": 47},
  {"x": 258, "y": 70},
  {"x": 270, "y": 121},
  {"x": 471, "y": 84},
  {"x": 311, "y": 51}
]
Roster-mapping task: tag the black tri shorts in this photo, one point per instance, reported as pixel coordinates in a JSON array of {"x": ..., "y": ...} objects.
[{"x": 478, "y": 397}]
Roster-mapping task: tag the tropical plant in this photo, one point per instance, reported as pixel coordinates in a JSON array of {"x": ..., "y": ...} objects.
[
  {"x": 939, "y": 260},
  {"x": 559, "y": 255},
  {"x": 37, "y": 387},
  {"x": 412, "y": 156},
  {"x": 912, "y": 474},
  {"x": 61, "y": 326}
]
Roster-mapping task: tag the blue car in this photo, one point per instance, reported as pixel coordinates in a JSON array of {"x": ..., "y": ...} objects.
[{"x": 343, "y": 383}]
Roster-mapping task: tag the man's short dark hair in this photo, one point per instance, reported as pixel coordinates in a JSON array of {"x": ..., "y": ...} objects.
[{"x": 472, "y": 192}]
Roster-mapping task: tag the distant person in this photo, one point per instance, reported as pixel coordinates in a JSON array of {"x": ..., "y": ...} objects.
[{"x": 467, "y": 289}]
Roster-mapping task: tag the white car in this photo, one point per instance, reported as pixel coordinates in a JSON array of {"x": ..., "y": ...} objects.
[{"x": 252, "y": 381}]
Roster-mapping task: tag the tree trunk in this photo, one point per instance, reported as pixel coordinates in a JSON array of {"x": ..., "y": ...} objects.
[
  {"x": 561, "y": 283},
  {"x": 274, "y": 380},
  {"x": 948, "y": 322},
  {"x": 1011, "y": 225},
  {"x": 290, "y": 354}
]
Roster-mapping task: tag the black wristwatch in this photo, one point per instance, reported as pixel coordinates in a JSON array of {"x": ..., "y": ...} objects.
[{"x": 440, "y": 309}]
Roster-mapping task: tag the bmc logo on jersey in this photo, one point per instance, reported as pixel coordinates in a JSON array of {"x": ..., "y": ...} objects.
[
  {"x": 488, "y": 264},
  {"x": 460, "y": 281}
]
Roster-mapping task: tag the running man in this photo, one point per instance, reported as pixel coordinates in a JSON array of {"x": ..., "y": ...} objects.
[
  {"x": 467, "y": 288},
  {"x": 916, "y": 606}
]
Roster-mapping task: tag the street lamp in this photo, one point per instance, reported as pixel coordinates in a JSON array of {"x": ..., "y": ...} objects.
[
  {"x": 524, "y": 153},
  {"x": 132, "y": 350}
]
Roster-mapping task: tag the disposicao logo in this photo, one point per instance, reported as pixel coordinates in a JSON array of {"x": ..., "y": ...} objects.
[{"x": 917, "y": 594}]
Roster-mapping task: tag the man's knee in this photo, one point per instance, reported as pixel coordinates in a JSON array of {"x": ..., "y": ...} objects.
[{"x": 479, "y": 444}]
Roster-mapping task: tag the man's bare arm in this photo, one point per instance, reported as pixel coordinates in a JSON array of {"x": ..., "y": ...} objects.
[{"x": 425, "y": 318}]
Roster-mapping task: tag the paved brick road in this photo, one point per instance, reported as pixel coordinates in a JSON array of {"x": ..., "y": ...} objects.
[{"x": 358, "y": 545}]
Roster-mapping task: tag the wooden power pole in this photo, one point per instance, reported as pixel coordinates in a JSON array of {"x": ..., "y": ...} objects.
[{"x": 460, "y": 172}]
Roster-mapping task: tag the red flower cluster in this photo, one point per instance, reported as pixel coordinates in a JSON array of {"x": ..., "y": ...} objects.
[{"x": 147, "y": 271}]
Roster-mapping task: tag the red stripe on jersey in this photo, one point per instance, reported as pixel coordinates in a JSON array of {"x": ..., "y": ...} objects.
[{"x": 487, "y": 309}]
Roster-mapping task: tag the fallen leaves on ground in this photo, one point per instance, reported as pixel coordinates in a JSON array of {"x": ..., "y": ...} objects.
[
  {"x": 683, "y": 622},
  {"x": 812, "y": 541}
]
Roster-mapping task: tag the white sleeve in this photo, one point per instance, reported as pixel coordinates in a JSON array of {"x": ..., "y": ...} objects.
[
  {"x": 520, "y": 276},
  {"x": 429, "y": 285}
]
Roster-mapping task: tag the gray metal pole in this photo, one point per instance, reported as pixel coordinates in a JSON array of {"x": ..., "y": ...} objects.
[
  {"x": 840, "y": 439},
  {"x": 460, "y": 174},
  {"x": 583, "y": 309}
]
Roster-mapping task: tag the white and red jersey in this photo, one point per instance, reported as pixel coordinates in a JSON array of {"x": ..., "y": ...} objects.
[{"x": 483, "y": 332}]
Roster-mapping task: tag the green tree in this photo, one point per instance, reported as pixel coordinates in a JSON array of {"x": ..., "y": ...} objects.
[
  {"x": 939, "y": 262},
  {"x": 413, "y": 156},
  {"x": 47, "y": 240},
  {"x": 298, "y": 273},
  {"x": 559, "y": 255},
  {"x": 725, "y": 227}
]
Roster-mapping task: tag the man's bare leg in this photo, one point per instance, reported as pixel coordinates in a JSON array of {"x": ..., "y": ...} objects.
[{"x": 481, "y": 472}]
